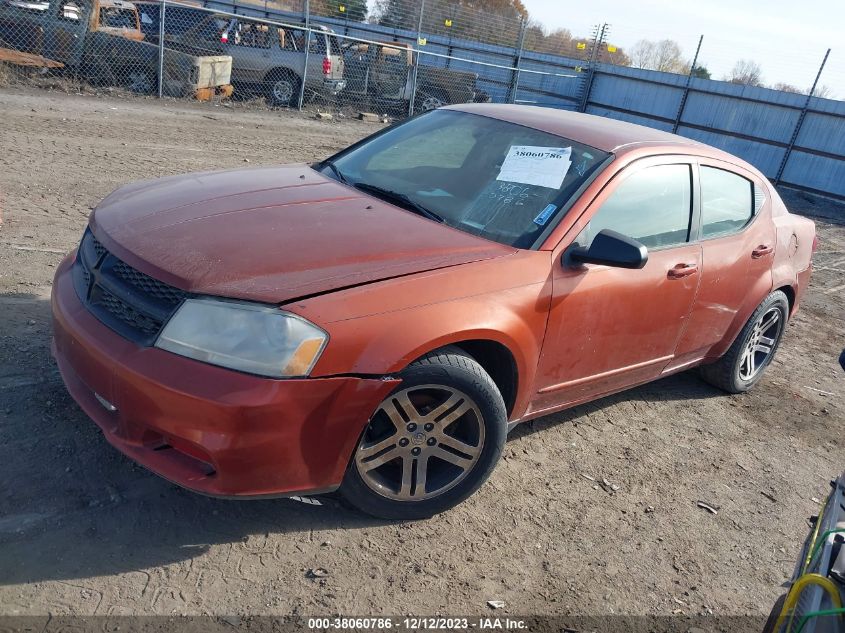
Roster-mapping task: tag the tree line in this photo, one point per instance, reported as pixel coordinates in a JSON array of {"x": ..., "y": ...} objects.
[{"x": 508, "y": 23}]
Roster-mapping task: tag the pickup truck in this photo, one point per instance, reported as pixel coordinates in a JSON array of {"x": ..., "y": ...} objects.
[
  {"x": 268, "y": 58},
  {"x": 384, "y": 73},
  {"x": 102, "y": 42}
]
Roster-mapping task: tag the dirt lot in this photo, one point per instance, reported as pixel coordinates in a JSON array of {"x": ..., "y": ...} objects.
[{"x": 84, "y": 531}]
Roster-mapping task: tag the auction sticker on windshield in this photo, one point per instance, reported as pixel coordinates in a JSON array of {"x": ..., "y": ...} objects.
[{"x": 540, "y": 166}]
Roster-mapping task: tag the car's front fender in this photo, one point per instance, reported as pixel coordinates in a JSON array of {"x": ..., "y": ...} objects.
[{"x": 379, "y": 329}]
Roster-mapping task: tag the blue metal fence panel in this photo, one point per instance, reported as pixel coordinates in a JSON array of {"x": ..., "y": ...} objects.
[
  {"x": 763, "y": 156},
  {"x": 820, "y": 173},
  {"x": 635, "y": 96},
  {"x": 822, "y": 132},
  {"x": 629, "y": 117},
  {"x": 749, "y": 118}
]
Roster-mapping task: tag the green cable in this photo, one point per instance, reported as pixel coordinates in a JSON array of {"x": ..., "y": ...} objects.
[
  {"x": 820, "y": 542},
  {"x": 816, "y": 614}
]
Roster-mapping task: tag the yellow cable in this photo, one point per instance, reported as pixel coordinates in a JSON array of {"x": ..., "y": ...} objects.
[
  {"x": 812, "y": 544},
  {"x": 798, "y": 587}
]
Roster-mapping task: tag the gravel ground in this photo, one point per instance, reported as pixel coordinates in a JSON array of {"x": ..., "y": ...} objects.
[{"x": 85, "y": 531}]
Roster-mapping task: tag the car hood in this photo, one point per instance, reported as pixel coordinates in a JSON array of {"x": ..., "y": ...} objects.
[{"x": 273, "y": 234}]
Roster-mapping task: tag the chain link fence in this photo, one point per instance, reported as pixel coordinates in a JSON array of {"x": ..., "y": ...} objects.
[
  {"x": 409, "y": 56},
  {"x": 286, "y": 55}
]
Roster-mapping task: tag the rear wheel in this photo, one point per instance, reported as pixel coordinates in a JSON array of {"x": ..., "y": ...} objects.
[
  {"x": 431, "y": 99},
  {"x": 431, "y": 443},
  {"x": 752, "y": 351},
  {"x": 282, "y": 88}
]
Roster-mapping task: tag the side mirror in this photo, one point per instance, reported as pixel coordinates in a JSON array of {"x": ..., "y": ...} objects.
[{"x": 611, "y": 249}]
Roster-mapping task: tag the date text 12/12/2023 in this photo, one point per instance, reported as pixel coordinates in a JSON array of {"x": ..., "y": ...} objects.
[{"x": 412, "y": 623}]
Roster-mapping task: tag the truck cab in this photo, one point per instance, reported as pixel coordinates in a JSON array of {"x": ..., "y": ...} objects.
[
  {"x": 384, "y": 71},
  {"x": 102, "y": 41}
]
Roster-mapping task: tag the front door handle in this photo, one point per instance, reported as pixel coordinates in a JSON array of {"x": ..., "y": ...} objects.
[
  {"x": 682, "y": 270},
  {"x": 761, "y": 251}
]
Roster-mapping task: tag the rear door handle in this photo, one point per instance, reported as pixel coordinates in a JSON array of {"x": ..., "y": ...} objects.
[
  {"x": 761, "y": 251},
  {"x": 682, "y": 270}
]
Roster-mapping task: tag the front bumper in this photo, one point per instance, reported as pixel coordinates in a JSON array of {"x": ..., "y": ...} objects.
[{"x": 209, "y": 429}]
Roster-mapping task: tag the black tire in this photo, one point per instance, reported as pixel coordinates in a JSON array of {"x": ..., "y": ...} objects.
[
  {"x": 140, "y": 81},
  {"x": 774, "y": 614},
  {"x": 727, "y": 373},
  {"x": 451, "y": 368},
  {"x": 282, "y": 88},
  {"x": 430, "y": 99}
]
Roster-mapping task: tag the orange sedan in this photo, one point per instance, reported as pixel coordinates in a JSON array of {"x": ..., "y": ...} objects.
[{"x": 375, "y": 323}]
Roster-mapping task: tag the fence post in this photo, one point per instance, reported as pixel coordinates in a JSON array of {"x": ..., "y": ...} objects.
[
  {"x": 417, "y": 61},
  {"x": 517, "y": 62},
  {"x": 800, "y": 122},
  {"x": 161, "y": 31},
  {"x": 588, "y": 79},
  {"x": 307, "y": 40},
  {"x": 686, "y": 87}
]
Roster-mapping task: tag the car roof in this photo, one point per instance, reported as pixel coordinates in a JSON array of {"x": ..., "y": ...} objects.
[{"x": 609, "y": 135}]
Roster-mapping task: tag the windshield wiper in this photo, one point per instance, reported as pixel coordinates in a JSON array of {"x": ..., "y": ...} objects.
[
  {"x": 340, "y": 177},
  {"x": 400, "y": 199}
]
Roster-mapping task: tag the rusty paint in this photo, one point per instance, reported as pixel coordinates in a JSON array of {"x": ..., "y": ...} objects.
[
  {"x": 205, "y": 94},
  {"x": 19, "y": 58}
]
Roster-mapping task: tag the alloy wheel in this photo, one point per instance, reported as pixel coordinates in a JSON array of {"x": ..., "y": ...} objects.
[
  {"x": 421, "y": 442},
  {"x": 431, "y": 103},
  {"x": 761, "y": 344},
  {"x": 283, "y": 91}
]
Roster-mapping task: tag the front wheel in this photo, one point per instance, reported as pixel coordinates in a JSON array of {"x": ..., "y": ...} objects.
[
  {"x": 431, "y": 443},
  {"x": 140, "y": 81},
  {"x": 754, "y": 348}
]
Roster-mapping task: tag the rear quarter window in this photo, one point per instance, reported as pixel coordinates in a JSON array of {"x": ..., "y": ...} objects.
[{"x": 727, "y": 202}]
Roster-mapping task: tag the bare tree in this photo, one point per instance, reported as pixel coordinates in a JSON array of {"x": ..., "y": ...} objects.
[
  {"x": 746, "y": 72},
  {"x": 824, "y": 92},
  {"x": 643, "y": 54},
  {"x": 668, "y": 57},
  {"x": 665, "y": 55}
]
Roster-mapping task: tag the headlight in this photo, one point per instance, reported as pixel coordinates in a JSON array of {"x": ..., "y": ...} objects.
[{"x": 247, "y": 337}]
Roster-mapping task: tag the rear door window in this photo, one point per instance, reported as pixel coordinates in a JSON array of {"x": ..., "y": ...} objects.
[
  {"x": 318, "y": 43},
  {"x": 251, "y": 34},
  {"x": 653, "y": 206},
  {"x": 292, "y": 39},
  {"x": 727, "y": 202},
  {"x": 334, "y": 45}
]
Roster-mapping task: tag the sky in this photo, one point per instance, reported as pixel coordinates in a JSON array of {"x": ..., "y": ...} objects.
[{"x": 787, "y": 38}]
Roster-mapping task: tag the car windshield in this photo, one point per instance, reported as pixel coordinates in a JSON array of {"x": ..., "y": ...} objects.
[{"x": 499, "y": 180}]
